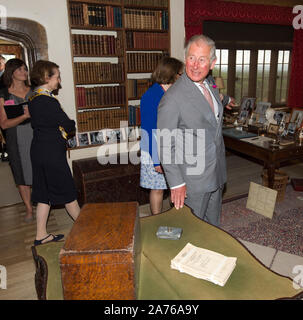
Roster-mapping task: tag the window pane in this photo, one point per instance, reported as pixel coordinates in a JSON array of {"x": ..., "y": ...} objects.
[
  {"x": 260, "y": 71},
  {"x": 266, "y": 70},
  {"x": 239, "y": 56},
  {"x": 215, "y": 72},
  {"x": 239, "y": 71},
  {"x": 260, "y": 56},
  {"x": 246, "y": 56},
  {"x": 285, "y": 68},
  {"x": 280, "y": 56},
  {"x": 224, "y": 71},
  {"x": 224, "y": 56},
  {"x": 267, "y": 56},
  {"x": 286, "y": 56},
  {"x": 218, "y": 56}
]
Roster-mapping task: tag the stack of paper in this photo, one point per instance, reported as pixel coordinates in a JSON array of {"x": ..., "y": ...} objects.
[{"x": 204, "y": 264}]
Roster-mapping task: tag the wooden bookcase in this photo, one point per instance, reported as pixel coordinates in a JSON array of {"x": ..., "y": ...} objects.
[{"x": 116, "y": 44}]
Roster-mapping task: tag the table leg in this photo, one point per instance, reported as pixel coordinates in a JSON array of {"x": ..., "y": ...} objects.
[{"x": 271, "y": 176}]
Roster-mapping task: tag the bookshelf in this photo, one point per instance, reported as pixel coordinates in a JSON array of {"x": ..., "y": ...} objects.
[{"x": 116, "y": 45}]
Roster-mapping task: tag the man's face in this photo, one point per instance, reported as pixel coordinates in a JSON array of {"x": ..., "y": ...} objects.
[{"x": 197, "y": 61}]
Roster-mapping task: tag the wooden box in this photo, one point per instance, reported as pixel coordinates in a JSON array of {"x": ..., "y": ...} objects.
[
  {"x": 108, "y": 183},
  {"x": 101, "y": 255}
]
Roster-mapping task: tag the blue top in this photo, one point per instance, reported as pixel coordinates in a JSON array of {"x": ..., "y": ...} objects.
[{"x": 149, "y": 113}]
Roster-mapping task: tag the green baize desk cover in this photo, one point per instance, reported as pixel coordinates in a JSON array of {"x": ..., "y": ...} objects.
[{"x": 250, "y": 280}]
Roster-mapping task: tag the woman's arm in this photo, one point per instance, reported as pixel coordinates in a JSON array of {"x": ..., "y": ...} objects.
[{"x": 6, "y": 123}]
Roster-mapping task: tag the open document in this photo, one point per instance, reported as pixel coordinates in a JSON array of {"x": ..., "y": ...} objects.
[{"x": 204, "y": 264}]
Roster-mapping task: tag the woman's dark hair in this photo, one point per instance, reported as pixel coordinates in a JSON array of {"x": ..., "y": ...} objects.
[
  {"x": 42, "y": 70},
  {"x": 167, "y": 70},
  {"x": 10, "y": 67}
]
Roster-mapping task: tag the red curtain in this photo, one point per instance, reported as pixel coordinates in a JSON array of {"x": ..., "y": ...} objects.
[{"x": 196, "y": 11}]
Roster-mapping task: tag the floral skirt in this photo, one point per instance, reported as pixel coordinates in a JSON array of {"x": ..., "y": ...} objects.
[{"x": 149, "y": 177}]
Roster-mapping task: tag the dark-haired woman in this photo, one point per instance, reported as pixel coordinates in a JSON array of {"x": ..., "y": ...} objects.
[
  {"x": 53, "y": 183},
  {"x": 151, "y": 175},
  {"x": 18, "y": 130}
]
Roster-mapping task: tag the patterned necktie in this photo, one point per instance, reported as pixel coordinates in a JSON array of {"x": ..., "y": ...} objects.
[{"x": 207, "y": 96}]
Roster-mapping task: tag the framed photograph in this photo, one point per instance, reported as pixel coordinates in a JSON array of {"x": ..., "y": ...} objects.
[
  {"x": 297, "y": 118},
  {"x": 247, "y": 104},
  {"x": 72, "y": 142},
  {"x": 131, "y": 134},
  {"x": 279, "y": 117},
  {"x": 262, "y": 107},
  {"x": 273, "y": 128},
  {"x": 97, "y": 137},
  {"x": 291, "y": 128},
  {"x": 83, "y": 139},
  {"x": 112, "y": 135}
]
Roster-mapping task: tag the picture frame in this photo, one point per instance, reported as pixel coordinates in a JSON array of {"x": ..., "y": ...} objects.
[
  {"x": 72, "y": 142},
  {"x": 83, "y": 139},
  {"x": 246, "y": 108},
  {"x": 113, "y": 135},
  {"x": 291, "y": 128},
  {"x": 248, "y": 104},
  {"x": 297, "y": 118},
  {"x": 279, "y": 117},
  {"x": 262, "y": 107},
  {"x": 97, "y": 137},
  {"x": 273, "y": 128},
  {"x": 131, "y": 134}
]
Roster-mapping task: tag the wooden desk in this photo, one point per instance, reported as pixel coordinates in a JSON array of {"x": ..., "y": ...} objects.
[{"x": 272, "y": 158}]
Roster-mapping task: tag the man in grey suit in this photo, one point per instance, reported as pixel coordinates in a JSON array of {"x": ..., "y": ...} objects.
[{"x": 190, "y": 140}]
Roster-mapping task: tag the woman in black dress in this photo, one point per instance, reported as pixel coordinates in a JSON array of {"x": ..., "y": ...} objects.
[{"x": 53, "y": 183}]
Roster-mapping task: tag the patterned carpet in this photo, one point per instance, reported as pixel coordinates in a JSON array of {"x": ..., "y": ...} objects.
[{"x": 283, "y": 232}]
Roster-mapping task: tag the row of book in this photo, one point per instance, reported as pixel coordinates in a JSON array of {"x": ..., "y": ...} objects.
[
  {"x": 97, "y": 45},
  {"x": 134, "y": 115},
  {"x": 100, "y": 96},
  {"x": 146, "y": 19},
  {"x": 147, "y": 40},
  {"x": 92, "y": 120},
  {"x": 82, "y": 14},
  {"x": 98, "y": 72},
  {"x": 143, "y": 61},
  {"x": 151, "y": 3},
  {"x": 137, "y": 87}
]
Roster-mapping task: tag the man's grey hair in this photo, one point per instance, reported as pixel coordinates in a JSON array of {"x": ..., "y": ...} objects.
[{"x": 202, "y": 38}]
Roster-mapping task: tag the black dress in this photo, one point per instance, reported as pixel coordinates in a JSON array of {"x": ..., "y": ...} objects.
[{"x": 52, "y": 179}]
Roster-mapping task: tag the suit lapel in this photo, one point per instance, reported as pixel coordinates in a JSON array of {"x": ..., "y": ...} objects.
[{"x": 215, "y": 93}]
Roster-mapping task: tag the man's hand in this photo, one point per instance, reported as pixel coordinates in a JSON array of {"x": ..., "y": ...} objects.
[
  {"x": 231, "y": 104},
  {"x": 177, "y": 196}
]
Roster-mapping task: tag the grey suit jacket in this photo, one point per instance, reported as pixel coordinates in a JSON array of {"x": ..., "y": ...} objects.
[{"x": 196, "y": 153}]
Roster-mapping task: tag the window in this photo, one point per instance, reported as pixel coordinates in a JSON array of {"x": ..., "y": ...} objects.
[
  {"x": 221, "y": 68},
  {"x": 263, "y": 74},
  {"x": 282, "y": 75},
  {"x": 259, "y": 58},
  {"x": 242, "y": 74},
  {"x": 263, "y": 68}
]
